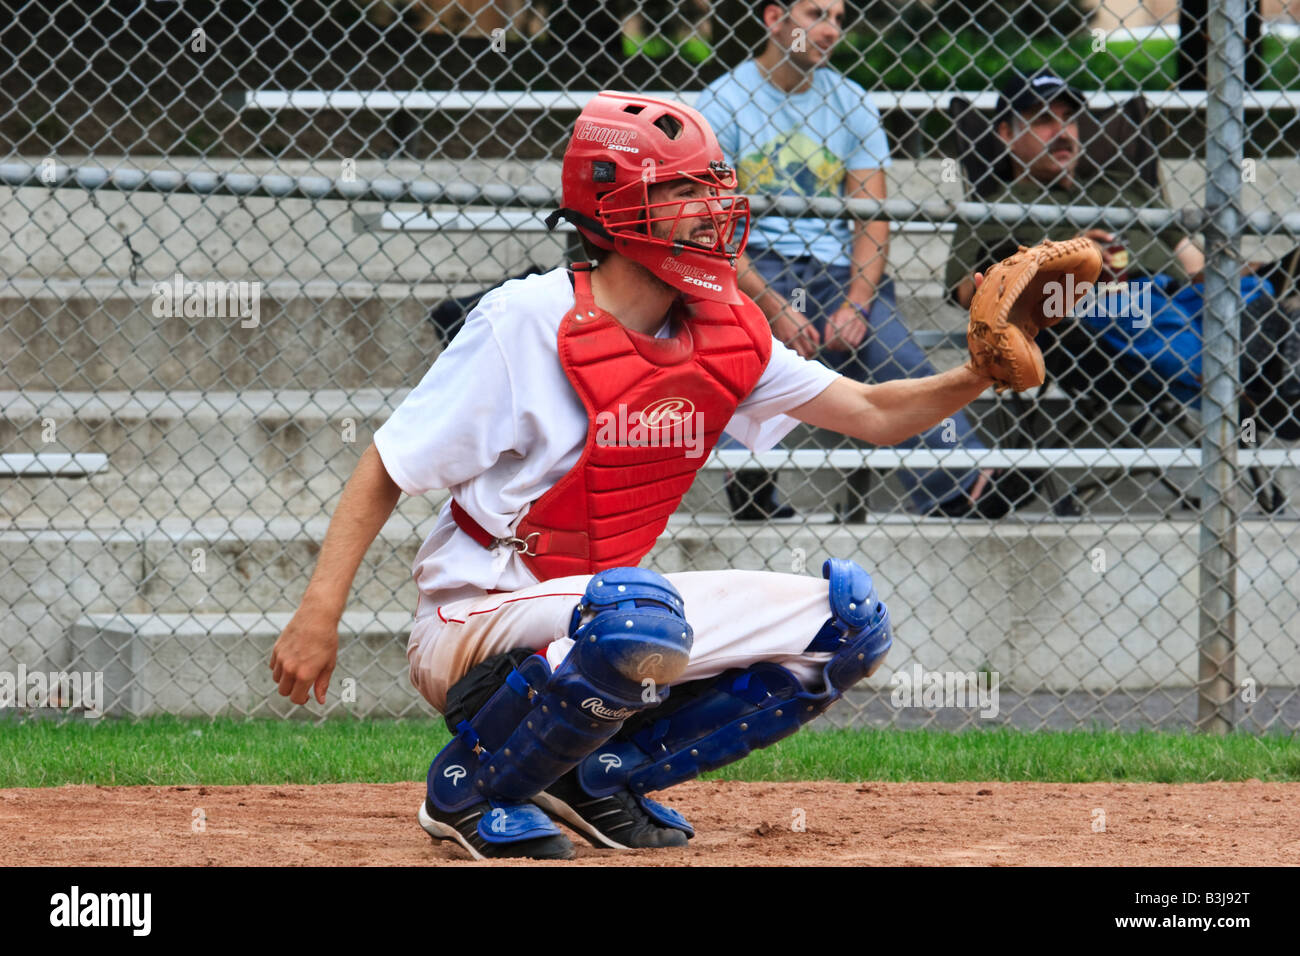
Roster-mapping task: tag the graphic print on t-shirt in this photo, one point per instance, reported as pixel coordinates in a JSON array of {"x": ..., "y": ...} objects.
[{"x": 791, "y": 164}]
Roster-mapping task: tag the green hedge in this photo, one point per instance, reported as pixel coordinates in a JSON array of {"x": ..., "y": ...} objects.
[{"x": 899, "y": 60}]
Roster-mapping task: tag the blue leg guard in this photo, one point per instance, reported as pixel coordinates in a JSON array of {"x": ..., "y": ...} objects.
[
  {"x": 629, "y": 635},
  {"x": 749, "y": 709}
]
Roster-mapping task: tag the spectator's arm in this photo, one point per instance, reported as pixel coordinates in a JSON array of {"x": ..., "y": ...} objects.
[
  {"x": 964, "y": 292},
  {"x": 753, "y": 284},
  {"x": 870, "y": 239},
  {"x": 968, "y": 252},
  {"x": 1190, "y": 258},
  {"x": 791, "y": 327}
]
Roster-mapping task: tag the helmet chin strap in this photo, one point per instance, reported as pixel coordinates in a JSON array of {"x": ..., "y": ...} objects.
[{"x": 578, "y": 219}]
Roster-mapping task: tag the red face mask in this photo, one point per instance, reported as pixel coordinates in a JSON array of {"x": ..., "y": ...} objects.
[
  {"x": 704, "y": 266},
  {"x": 623, "y": 144}
]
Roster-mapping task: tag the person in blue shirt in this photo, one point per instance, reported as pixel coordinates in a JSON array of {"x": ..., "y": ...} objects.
[{"x": 791, "y": 125}]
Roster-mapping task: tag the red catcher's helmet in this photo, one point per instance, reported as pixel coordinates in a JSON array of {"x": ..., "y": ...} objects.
[{"x": 621, "y": 146}]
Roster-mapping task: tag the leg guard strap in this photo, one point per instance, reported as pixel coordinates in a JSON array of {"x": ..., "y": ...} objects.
[
  {"x": 454, "y": 774},
  {"x": 743, "y": 710},
  {"x": 858, "y": 631},
  {"x": 627, "y": 630}
]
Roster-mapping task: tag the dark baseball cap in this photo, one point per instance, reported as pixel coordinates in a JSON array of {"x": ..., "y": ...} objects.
[{"x": 1032, "y": 91}]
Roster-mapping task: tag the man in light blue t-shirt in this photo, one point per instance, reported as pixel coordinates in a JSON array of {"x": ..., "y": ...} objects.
[{"x": 792, "y": 126}]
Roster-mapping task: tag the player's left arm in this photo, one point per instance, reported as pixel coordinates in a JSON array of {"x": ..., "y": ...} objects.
[{"x": 886, "y": 413}]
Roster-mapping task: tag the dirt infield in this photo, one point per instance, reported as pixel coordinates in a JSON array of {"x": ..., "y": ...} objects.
[{"x": 738, "y": 824}]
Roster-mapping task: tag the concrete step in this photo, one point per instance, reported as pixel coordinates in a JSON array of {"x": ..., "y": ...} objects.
[
  {"x": 181, "y": 565},
  {"x": 1028, "y": 600},
  {"x": 268, "y": 454},
  {"x": 51, "y": 576},
  {"x": 61, "y": 234},
  {"x": 82, "y": 335},
  {"x": 208, "y": 664},
  {"x": 190, "y": 453}
]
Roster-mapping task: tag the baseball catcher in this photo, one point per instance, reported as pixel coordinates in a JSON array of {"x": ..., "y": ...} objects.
[{"x": 568, "y": 418}]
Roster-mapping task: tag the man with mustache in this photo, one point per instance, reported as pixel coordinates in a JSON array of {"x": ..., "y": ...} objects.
[{"x": 1146, "y": 321}]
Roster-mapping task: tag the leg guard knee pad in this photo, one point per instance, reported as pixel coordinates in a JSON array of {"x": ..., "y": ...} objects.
[
  {"x": 744, "y": 710},
  {"x": 858, "y": 631},
  {"x": 631, "y": 640}
]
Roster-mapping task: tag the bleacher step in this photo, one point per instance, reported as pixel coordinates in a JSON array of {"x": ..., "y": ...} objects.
[
  {"x": 209, "y": 664},
  {"x": 1137, "y": 619}
]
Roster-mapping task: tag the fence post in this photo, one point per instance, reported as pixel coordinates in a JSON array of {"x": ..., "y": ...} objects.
[{"x": 1216, "y": 671}]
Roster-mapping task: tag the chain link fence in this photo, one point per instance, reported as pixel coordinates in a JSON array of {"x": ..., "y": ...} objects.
[{"x": 238, "y": 233}]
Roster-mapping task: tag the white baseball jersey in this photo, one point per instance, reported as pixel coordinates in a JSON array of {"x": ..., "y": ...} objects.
[{"x": 496, "y": 421}]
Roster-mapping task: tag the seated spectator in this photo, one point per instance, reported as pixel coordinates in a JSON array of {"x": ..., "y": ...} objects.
[
  {"x": 793, "y": 126},
  {"x": 1146, "y": 313}
]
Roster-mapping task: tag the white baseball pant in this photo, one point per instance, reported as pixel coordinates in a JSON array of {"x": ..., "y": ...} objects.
[{"x": 739, "y": 618}]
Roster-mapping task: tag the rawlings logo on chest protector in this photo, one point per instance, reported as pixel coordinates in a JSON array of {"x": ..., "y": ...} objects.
[{"x": 667, "y": 412}]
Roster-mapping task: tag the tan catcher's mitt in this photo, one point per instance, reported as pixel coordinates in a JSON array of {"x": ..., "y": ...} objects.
[{"x": 1021, "y": 296}]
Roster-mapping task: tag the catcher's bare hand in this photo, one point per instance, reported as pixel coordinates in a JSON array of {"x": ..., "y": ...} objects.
[
  {"x": 795, "y": 330},
  {"x": 305, "y": 654},
  {"x": 845, "y": 329}
]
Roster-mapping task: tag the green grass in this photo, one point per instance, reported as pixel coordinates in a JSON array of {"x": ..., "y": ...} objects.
[{"x": 168, "y": 750}]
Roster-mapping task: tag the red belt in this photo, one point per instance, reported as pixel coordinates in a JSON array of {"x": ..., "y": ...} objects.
[
  {"x": 537, "y": 542},
  {"x": 470, "y": 526}
]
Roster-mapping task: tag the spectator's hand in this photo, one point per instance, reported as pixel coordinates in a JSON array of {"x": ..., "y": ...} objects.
[
  {"x": 845, "y": 329},
  {"x": 1104, "y": 239},
  {"x": 797, "y": 331},
  {"x": 304, "y": 656}
]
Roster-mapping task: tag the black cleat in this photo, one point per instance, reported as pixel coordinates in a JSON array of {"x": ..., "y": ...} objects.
[
  {"x": 462, "y": 827},
  {"x": 617, "y": 822}
]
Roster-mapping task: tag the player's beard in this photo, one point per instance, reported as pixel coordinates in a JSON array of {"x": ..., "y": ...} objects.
[{"x": 656, "y": 281}]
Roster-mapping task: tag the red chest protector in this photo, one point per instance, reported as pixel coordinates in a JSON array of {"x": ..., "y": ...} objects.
[{"x": 655, "y": 409}]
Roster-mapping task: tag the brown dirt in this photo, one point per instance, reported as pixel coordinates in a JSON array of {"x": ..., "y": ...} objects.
[{"x": 738, "y": 824}]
